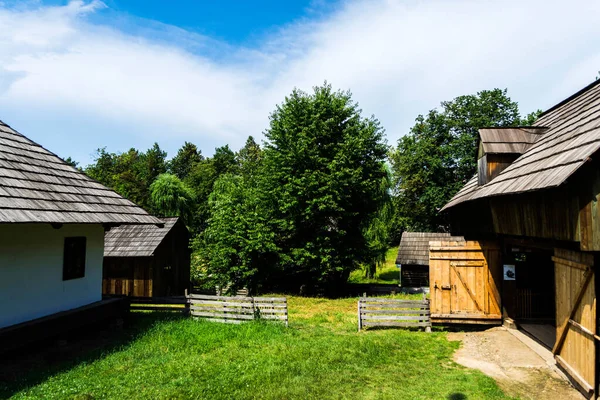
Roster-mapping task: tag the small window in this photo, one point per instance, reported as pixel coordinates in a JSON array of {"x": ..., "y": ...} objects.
[{"x": 74, "y": 258}]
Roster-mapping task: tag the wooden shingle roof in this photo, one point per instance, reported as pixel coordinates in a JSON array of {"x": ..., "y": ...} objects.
[
  {"x": 414, "y": 246},
  {"x": 508, "y": 140},
  {"x": 136, "y": 240},
  {"x": 36, "y": 186},
  {"x": 573, "y": 135}
]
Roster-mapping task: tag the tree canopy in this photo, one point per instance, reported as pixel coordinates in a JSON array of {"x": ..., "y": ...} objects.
[
  {"x": 324, "y": 164},
  {"x": 171, "y": 197}
]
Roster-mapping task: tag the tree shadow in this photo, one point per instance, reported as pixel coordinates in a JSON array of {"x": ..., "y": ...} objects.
[
  {"x": 390, "y": 275},
  {"x": 457, "y": 396},
  {"x": 26, "y": 367}
]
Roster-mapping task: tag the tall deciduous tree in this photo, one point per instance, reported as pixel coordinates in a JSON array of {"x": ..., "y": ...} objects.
[
  {"x": 237, "y": 249},
  {"x": 439, "y": 154},
  {"x": 323, "y": 166}
]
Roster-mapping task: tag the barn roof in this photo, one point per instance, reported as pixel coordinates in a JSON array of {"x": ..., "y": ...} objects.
[
  {"x": 414, "y": 246},
  {"x": 573, "y": 135},
  {"x": 136, "y": 240},
  {"x": 36, "y": 186}
]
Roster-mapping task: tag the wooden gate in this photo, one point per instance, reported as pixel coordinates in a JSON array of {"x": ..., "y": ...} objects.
[
  {"x": 575, "y": 349},
  {"x": 464, "y": 281}
]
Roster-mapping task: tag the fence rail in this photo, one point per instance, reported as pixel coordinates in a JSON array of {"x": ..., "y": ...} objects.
[
  {"x": 376, "y": 312},
  {"x": 238, "y": 309},
  {"x": 173, "y": 303}
]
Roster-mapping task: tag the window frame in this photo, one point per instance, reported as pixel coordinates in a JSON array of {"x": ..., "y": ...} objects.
[{"x": 74, "y": 252}]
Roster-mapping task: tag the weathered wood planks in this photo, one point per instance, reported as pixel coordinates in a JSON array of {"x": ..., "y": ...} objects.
[
  {"x": 238, "y": 309},
  {"x": 575, "y": 347},
  {"x": 464, "y": 278},
  {"x": 373, "y": 312}
]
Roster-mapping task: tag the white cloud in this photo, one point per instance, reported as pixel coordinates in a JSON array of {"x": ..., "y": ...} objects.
[{"x": 399, "y": 58}]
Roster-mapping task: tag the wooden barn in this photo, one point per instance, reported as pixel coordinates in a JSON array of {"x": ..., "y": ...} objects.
[
  {"x": 52, "y": 223},
  {"x": 413, "y": 257},
  {"x": 147, "y": 261},
  {"x": 531, "y": 217}
]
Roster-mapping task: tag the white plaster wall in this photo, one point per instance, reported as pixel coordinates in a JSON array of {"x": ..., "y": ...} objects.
[{"x": 31, "y": 262}]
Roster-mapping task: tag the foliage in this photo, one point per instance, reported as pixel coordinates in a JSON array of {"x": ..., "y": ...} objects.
[
  {"x": 201, "y": 179},
  {"x": 439, "y": 155},
  {"x": 131, "y": 173},
  {"x": 237, "y": 249},
  {"x": 171, "y": 197},
  {"x": 387, "y": 273},
  {"x": 72, "y": 162},
  {"x": 378, "y": 231},
  {"x": 249, "y": 159},
  {"x": 323, "y": 167},
  {"x": 320, "y": 356},
  {"x": 185, "y": 160}
]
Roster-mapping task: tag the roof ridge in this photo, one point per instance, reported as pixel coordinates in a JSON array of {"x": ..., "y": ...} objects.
[{"x": 571, "y": 97}]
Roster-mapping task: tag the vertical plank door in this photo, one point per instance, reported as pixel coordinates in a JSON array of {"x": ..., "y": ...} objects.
[
  {"x": 464, "y": 281},
  {"x": 575, "y": 350}
]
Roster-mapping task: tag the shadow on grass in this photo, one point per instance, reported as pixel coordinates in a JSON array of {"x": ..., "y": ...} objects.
[
  {"x": 457, "y": 396},
  {"x": 29, "y": 366},
  {"x": 390, "y": 275}
]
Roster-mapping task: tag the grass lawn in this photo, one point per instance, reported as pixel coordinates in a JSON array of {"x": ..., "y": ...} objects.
[
  {"x": 320, "y": 356},
  {"x": 387, "y": 273}
]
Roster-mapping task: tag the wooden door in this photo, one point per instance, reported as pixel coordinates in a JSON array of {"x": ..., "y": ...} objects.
[
  {"x": 464, "y": 281},
  {"x": 575, "y": 349}
]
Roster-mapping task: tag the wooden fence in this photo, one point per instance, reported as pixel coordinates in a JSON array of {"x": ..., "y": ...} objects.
[
  {"x": 238, "y": 309},
  {"x": 173, "y": 303},
  {"x": 373, "y": 311}
]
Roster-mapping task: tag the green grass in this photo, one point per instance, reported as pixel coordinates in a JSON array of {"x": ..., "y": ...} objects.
[
  {"x": 320, "y": 356},
  {"x": 387, "y": 273}
]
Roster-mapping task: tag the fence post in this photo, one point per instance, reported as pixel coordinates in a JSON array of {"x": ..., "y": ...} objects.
[
  {"x": 187, "y": 310},
  {"x": 359, "y": 320},
  {"x": 427, "y": 328}
]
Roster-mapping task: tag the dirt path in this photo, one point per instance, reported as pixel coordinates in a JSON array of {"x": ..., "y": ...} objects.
[{"x": 519, "y": 371}]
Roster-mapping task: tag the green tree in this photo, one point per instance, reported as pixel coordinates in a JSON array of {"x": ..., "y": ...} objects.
[
  {"x": 171, "y": 197},
  {"x": 152, "y": 163},
  {"x": 185, "y": 159},
  {"x": 323, "y": 166},
  {"x": 72, "y": 163},
  {"x": 237, "y": 249},
  {"x": 249, "y": 158},
  {"x": 379, "y": 230},
  {"x": 201, "y": 179},
  {"x": 439, "y": 155},
  {"x": 130, "y": 174}
]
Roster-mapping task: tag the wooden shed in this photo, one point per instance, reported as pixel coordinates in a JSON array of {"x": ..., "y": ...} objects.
[
  {"x": 413, "y": 257},
  {"x": 536, "y": 222},
  {"x": 147, "y": 261}
]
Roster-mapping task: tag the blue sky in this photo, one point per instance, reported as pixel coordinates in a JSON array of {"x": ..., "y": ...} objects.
[{"x": 79, "y": 75}]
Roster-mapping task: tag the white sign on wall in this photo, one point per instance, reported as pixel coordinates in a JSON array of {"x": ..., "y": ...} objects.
[{"x": 509, "y": 272}]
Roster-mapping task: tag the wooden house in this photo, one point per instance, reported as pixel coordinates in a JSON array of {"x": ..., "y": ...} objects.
[
  {"x": 146, "y": 260},
  {"x": 413, "y": 257},
  {"x": 532, "y": 223},
  {"x": 52, "y": 223}
]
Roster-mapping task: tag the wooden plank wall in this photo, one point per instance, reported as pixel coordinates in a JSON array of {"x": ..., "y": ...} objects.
[
  {"x": 414, "y": 276},
  {"x": 576, "y": 317},
  {"x": 238, "y": 309},
  {"x": 128, "y": 276},
  {"x": 537, "y": 215},
  {"x": 496, "y": 163},
  {"x": 378, "y": 312},
  {"x": 464, "y": 281}
]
